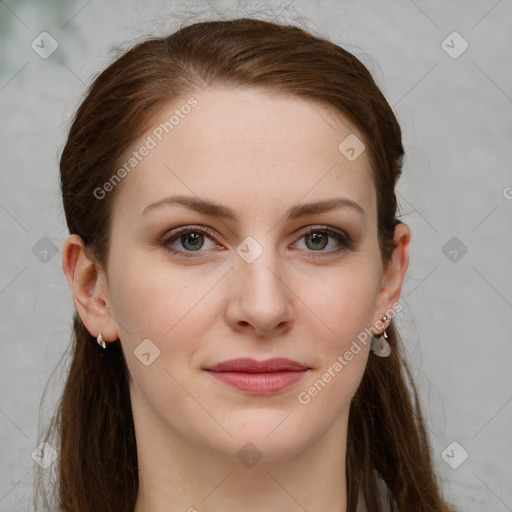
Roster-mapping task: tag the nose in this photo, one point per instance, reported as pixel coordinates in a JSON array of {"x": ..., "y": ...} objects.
[{"x": 260, "y": 298}]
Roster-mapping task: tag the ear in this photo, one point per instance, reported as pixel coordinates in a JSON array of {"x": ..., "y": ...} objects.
[
  {"x": 89, "y": 287},
  {"x": 394, "y": 273}
]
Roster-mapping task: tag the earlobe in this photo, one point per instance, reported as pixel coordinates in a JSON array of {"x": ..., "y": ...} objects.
[
  {"x": 89, "y": 289},
  {"x": 397, "y": 266}
]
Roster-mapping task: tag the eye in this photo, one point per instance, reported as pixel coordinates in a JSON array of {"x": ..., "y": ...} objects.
[
  {"x": 188, "y": 240},
  {"x": 317, "y": 239}
]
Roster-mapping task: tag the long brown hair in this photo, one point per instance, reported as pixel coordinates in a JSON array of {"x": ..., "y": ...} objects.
[{"x": 387, "y": 440}]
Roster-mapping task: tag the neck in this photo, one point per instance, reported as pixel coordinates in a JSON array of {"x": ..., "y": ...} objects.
[{"x": 177, "y": 476}]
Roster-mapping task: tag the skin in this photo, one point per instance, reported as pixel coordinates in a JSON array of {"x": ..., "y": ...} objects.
[{"x": 258, "y": 155}]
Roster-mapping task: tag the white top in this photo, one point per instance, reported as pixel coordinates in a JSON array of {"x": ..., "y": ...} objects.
[
  {"x": 382, "y": 491},
  {"x": 361, "y": 505}
]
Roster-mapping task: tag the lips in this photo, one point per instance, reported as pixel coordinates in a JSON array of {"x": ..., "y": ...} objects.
[
  {"x": 252, "y": 366},
  {"x": 259, "y": 377}
]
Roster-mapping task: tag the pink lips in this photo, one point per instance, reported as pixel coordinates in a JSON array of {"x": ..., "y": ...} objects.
[{"x": 260, "y": 377}]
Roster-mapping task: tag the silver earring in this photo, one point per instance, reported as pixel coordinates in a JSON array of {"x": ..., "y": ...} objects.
[
  {"x": 380, "y": 345},
  {"x": 101, "y": 341}
]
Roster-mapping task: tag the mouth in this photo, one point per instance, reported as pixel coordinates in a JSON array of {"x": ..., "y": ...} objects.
[{"x": 259, "y": 377}]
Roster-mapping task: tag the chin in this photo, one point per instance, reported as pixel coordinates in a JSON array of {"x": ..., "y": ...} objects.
[{"x": 266, "y": 436}]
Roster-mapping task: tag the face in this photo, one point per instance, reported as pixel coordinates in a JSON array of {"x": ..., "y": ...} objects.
[{"x": 269, "y": 278}]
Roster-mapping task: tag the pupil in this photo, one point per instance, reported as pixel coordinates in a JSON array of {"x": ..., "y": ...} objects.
[
  {"x": 192, "y": 238},
  {"x": 316, "y": 238}
]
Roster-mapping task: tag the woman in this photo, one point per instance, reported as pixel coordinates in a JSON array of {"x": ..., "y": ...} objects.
[{"x": 236, "y": 264}]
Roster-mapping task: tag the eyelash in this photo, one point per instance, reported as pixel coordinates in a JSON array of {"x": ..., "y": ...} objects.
[{"x": 344, "y": 240}]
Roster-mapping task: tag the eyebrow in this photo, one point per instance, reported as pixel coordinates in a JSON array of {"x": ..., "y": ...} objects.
[{"x": 218, "y": 210}]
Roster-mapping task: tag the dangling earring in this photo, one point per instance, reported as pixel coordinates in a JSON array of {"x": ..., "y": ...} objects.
[
  {"x": 101, "y": 341},
  {"x": 380, "y": 346}
]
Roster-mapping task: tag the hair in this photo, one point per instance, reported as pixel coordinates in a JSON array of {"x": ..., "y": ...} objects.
[{"x": 387, "y": 439}]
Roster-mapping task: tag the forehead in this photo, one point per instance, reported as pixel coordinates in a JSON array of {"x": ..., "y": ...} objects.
[{"x": 247, "y": 147}]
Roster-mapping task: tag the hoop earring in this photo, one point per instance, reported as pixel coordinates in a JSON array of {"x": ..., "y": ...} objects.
[
  {"x": 101, "y": 341},
  {"x": 380, "y": 345}
]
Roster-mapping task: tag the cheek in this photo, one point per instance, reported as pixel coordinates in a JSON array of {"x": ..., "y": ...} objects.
[
  {"x": 170, "y": 307},
  {"x": 345, "y": 302},
  {"x": 346, "y": 308},
  {"x": 150, "y": 299}
]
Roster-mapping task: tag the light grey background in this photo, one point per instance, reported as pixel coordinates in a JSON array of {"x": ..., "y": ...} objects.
[{"x": 456, "y": 119}]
